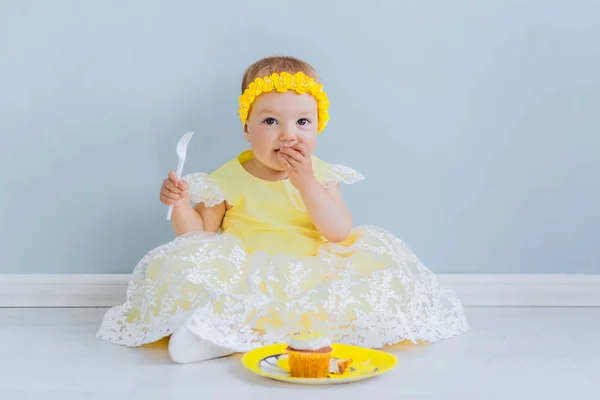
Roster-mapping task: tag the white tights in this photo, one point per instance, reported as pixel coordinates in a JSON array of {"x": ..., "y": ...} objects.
[{"x": 185, "y": 348}]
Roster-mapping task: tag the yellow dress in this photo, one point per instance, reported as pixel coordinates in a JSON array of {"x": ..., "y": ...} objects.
[{"x": 269, "y": 273}]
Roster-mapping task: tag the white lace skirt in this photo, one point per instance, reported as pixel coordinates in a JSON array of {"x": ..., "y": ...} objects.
[{"x": 370, "y": 291}]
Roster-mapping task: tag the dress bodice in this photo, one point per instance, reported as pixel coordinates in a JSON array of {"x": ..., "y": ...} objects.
[{"x": 267, "y": 216}]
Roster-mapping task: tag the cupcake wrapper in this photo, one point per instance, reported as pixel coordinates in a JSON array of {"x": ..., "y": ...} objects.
[{"x": 309, "y": 365}]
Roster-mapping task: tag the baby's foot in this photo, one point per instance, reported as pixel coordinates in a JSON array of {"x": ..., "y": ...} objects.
[{"x": 185, "y": 348}]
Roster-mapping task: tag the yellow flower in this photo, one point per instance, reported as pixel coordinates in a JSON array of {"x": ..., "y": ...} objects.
[
  {"x": 255, "y": 87},
  {"x": 323, "y": 115},
  {"x": 315, "y": 88},
  {"x": 278, "y": 82},
  {"x": 323, "y": 118},
  {"x": 300, "y": 83},
  {"x": 267, "y": 84},
  {"x": 320, "y": 96},
  {"x": 244, "y": 105},
  {"x": 249, "y": 99},
  {"x": 287, "y": 80},
  {"x": 324, "y": 103}
]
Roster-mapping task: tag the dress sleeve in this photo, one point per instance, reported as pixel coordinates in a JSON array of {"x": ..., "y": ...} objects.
[
  {"x": 204, "y": 189},
  {"x": 331, "y": 175}
]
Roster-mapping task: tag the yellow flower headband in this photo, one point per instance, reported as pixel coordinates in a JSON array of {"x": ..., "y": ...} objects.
[{"x": 283, "y": 82}]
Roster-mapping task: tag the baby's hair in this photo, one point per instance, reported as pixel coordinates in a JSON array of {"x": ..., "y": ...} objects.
[{"x": 277, "y": 64}]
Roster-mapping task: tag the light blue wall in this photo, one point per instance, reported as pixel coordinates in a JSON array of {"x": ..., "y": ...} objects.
[{"x": 475, "y": 122}]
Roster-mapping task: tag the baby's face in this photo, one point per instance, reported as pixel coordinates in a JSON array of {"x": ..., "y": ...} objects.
[{"x": 279, "y": 120}]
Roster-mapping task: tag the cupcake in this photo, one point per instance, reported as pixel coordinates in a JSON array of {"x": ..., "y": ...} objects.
[{"x": 309, "y": 355}]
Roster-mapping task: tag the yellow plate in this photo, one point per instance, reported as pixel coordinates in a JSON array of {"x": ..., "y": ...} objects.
[{"x": 271, "y": 362}]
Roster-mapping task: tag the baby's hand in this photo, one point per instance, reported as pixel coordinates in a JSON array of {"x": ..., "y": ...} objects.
[
  {"x": 174, "y": 191},
  {"x": 297, "y": 163}
]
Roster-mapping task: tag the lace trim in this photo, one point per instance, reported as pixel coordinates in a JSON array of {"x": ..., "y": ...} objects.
[
  {"x": 376, "y": 293},
  {"x": 337, "y": 173},
  {"x": 203, "y": 189}
]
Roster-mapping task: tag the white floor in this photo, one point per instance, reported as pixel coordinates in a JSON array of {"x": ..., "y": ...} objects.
[{"x": 511, "y": 353}]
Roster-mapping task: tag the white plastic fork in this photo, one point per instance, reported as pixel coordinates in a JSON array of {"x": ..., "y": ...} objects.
[{"x": 181, "y": 153}]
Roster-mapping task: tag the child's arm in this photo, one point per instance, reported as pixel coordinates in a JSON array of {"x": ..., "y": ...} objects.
[
  {"x": 187, "y": 218},
  {"x": 212, "y": 216},
  {"x": 325, "y": 206},
  {"x": 327, "y": 210}
]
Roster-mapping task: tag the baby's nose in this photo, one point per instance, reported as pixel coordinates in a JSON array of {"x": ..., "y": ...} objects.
[{"x": 287, "y": 135}]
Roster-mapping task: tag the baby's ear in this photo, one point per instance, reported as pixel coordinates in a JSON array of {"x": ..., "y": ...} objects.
[{"x": 246, "y": 134}]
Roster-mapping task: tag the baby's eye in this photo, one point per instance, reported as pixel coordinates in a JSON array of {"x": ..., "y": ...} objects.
[
  {"x": 303, "y": 121},
  {"x": 270, "y": 121}
]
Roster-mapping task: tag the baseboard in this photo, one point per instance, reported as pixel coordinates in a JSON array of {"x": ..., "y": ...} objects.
[
  {"x": 523, "y": 290},
  {"x": 63, "y": 290},
  {"x": 106, "y": 290}
]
